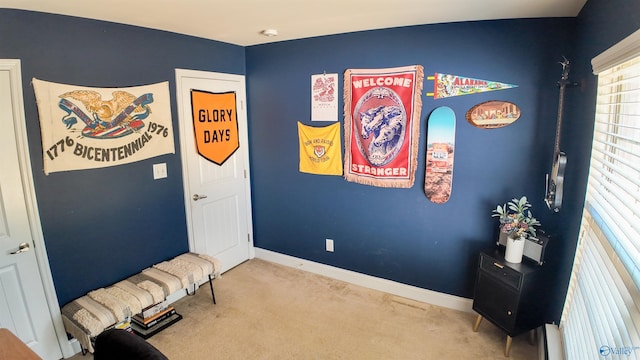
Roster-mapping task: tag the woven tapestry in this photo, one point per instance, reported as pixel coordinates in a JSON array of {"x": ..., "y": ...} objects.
[
  {"x": 88, "y": 128},
  {"x": 382, "y": 125}
]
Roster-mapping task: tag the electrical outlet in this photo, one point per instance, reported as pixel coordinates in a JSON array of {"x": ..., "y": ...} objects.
[
  {"x": 159, "y": 171},
  {"x": 329, "y": 245}
]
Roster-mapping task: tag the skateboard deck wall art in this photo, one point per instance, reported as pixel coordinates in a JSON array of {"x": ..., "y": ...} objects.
[{"x": 441, "y": 129}]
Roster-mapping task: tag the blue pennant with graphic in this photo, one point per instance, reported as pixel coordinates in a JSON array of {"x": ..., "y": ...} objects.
[{"x": 446, "y": 85}]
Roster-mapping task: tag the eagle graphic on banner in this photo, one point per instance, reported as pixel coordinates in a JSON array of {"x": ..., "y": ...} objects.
[{"x": 117, "y": 117}]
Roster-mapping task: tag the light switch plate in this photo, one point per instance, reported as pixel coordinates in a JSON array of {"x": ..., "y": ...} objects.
[
  {"x": 159, "y": 171},
  {"x": 329, "y": 245}
]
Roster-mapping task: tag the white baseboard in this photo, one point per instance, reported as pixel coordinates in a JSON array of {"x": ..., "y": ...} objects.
[
  {"x": 371, "y": 282},
  {"x": 550, "y": 345},
  {"x": 75, "y": 347}
]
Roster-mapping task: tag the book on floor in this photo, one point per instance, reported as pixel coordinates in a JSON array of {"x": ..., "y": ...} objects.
[
  {"x": 161, "y": 325},
  {"x": 153, "y": 320}
]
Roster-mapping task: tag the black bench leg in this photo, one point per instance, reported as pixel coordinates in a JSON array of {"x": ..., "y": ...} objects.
[{"x": 211, "y": 286}]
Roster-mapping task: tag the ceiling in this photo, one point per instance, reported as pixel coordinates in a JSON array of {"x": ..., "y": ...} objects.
[{"x": 241, "y": 22}]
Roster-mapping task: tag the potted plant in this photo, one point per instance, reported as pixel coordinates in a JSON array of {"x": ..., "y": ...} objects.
[{"x": 518, "y": 223}]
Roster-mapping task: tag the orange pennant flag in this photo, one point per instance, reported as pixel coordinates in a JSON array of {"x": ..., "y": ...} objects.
[{"x": 215, "y": 124}]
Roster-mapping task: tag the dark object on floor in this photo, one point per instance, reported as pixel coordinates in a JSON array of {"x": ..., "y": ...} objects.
[
  {"x": 117, "y": 344},
  {"x": 147, "y": 333}
]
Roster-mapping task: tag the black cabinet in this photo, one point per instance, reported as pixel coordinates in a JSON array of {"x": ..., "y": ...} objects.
[{"x": 511, "y": 296}]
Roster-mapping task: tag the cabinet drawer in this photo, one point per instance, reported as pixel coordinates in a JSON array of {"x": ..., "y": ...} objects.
[{"x": 499, "y": 270}]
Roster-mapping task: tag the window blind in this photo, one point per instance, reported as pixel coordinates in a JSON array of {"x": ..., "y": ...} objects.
[{"x": 601, "y": 316}]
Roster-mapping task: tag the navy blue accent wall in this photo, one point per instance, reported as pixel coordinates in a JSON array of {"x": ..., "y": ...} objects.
[
  {"x": 398, "y": 234},
  {"x": 103, "y": 225}
]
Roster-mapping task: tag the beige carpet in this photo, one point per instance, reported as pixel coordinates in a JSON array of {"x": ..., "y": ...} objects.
[{"x": 268, "y": 311}]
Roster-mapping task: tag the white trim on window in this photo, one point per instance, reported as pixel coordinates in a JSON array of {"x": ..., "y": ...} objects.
[{"x": 619, "y": 53}]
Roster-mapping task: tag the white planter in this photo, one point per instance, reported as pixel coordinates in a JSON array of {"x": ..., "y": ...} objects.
[{"x": 514, "y": 250}]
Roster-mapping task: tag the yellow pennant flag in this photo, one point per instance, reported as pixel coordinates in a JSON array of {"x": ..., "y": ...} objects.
[{"x": 320, "y": 149}]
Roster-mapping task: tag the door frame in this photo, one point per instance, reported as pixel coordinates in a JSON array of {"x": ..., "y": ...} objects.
[
  {"x": 184, "y": 73},
  {"x": 13, "y": 66}
]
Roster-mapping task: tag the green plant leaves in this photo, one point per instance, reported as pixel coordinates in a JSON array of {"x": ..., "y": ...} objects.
[{"x": 518, "y": 219}]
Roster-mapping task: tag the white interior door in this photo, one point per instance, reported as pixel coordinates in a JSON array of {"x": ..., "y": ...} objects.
[
  {"x": 217, "y": 198},
  {"x": 23, "y": 305}
]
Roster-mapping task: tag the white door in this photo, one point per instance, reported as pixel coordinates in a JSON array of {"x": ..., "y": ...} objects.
[
  {"x": 23, "y": 305},
  {"x": 217, "y": 198}
]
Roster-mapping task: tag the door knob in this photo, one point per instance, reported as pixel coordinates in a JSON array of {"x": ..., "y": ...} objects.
[
  {"x": 21, "y": 248},
  {"x": 197, "y": 197}
]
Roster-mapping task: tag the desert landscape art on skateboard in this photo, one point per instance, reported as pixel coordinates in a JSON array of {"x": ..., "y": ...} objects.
[{"x": 441, "y": 129}]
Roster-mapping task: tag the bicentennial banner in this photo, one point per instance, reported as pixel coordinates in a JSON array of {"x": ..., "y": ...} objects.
[
  {"x": 89, "y": 128},
  {"x": 382, "y": 125}
]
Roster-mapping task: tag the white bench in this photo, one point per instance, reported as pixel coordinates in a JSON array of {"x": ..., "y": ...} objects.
[{"x": 87, "y": 316}]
